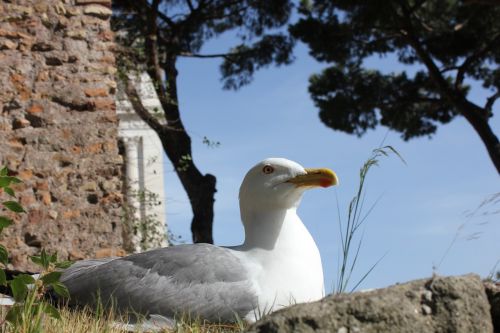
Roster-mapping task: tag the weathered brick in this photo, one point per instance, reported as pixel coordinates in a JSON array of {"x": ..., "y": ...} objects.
[
  {"x": 104, "y": 104},
  {"x": 76, "y": 255},
  {"x": 20, "y": 123},
  {"x": 58, "y": 64},
  {"x": 76, "y": 149},
  {"x": 87, "y": 2},
  {"x": 71, "y": 214},
  {"x": 89, "y": 186},
  {"x": 25, "y": 174},
  {"x": 45, "y": 197},
  {"x": 35, "y": 216},
  {"x": 94, "y": 148},
  {"x": 7, "y": 45},
  {"x": 109, "y": 252},
  {"x": 107, "y": 35},
  {"x": 19, "y": 83},
  {"x": 42, "y": 185},
  {"x": 16, "y": 143},
  {"x": 35, "y": 108},
  {"x": 96, "y": 92},
  {"x": 8, "y": 33},
  {"x": 77, "y": 34},
  {"x": 98, "y": 11},
  {"x": 26, "y": 199},
  {"x": 110, "y": 146}
]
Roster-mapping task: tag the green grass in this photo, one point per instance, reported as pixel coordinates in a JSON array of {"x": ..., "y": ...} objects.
[
  {"x": 87, "y": 321},
  {"x": 349, "y": 230}
]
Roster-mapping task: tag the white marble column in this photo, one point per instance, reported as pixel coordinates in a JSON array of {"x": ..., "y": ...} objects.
[
  {"x": 147, "y": 177},
  {"x": 133, "y": 191}
]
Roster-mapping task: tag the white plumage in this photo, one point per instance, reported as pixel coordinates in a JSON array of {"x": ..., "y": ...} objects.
[{"x": 278, "y": 264}]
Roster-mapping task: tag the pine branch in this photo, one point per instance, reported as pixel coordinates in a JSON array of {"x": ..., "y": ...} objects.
[{"x": 475, "y": 57}]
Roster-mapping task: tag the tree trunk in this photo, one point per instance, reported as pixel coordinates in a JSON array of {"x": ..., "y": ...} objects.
[
  {"x": 473, "y": 114},
  {"x": 199, "y": 188},
  {"x": 175, "y": 140},
  {"x": 177, "y": 146}
]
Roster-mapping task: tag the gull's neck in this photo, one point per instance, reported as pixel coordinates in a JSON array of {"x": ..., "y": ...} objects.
[{"x": 267, "y": 229}]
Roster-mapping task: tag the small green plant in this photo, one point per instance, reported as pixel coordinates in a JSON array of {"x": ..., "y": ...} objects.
[
  {"x": 355, "y": 218},
  {"x": 26, "y": 314},
  {"x": 147, "y": 224},
  {"x": 5, "y": 221},
  {"x": 184, "y": 163}
]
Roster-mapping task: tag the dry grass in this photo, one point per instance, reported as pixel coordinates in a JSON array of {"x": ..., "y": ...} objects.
[{"x": 86, "y": 321}]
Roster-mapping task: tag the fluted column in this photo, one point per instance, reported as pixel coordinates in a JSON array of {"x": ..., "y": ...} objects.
[{"x": 133, "y": 192}]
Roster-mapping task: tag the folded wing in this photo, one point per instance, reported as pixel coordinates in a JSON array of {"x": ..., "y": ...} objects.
[{"x": 198, "y": 280}]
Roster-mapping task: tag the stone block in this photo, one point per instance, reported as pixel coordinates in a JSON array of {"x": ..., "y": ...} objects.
[
  {"x": 98, "y": 11},
  {"x": 20, "y": 123},
  {"x": 100, "y": 2},
  {"x": 45, "y": 197},
  {"x": 438, "y": 304},
  {"x": 42, "y": 185},
  {"x": 35, "y": 108},
  {"x": 35, "y": 216},
  {"x": 57, "y": 64},
  {"x": 104, "y": 104},
  {"x": 96, "y": 92},
  {"x": 26, "y": 199},
  {"x": 77, "y": 34},
  {"x": 25, "y": 174},
  {"x": 7, "y": 44},
  {"x": 95, "y": 148},
  {"x": 109, "y": 252},
  {"x": 71, "y": 214},
  {"x": 42, "y": 47},
  {"x": 89, "y": 186}
]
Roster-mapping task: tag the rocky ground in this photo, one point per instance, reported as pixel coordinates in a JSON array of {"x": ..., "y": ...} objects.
[{"x": 438, "y": 304}]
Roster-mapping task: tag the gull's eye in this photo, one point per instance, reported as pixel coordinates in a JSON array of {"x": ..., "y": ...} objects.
[{"x": 267, "y": 169}]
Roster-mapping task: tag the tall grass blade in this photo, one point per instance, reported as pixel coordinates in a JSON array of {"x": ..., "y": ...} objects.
[{"x": 356, "y": 217}]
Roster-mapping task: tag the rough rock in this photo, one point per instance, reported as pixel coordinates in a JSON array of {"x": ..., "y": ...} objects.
[
  {"x": 58, "y": 128},
  {"x": 493, "y": 293},
  {"x": 438, "y": 305},
  {"x": 98, "y": 11}
]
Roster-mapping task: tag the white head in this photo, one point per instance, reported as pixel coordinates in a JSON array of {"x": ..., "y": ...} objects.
[{"x": 278, "y": 184}]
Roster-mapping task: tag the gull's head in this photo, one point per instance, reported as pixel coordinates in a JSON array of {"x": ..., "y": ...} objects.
[{"x": 278, "y": 183}]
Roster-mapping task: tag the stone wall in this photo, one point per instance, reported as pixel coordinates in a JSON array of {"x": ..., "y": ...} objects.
[{"x": 58, "y": 127}]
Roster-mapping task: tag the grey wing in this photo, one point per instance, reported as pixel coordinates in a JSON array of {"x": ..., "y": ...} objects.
[{"x": 200, "y": 280}]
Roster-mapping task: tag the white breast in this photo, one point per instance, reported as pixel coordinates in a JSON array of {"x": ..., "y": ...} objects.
[{"x": 289, "y": 273}]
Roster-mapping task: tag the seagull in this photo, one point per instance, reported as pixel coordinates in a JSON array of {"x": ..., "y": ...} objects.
[{"x": 278, "y": 264}]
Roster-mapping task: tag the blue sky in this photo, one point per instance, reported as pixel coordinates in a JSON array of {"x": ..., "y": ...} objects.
[{"x": 423, "y": 205}]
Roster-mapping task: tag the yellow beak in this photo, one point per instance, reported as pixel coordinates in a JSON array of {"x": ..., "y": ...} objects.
[{"x": 315, "y": 177}]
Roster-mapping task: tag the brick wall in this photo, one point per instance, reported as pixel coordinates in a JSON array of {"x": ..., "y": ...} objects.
[{"x": 58, "y": 127}]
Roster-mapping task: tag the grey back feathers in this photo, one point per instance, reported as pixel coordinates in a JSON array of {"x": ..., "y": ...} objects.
[{"x": 199, "y": 280}]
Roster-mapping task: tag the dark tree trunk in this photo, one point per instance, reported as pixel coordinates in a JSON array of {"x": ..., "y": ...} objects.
[
  {"x": 177, "y": 146},
  {"x": 475, "y": 115},
  {"x": 199, "y": 188},
  {"x": 478, "y": 118},
  {"x": 175, "y": 140}
]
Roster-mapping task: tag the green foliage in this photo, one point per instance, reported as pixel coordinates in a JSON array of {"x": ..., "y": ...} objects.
[
  {"x": 448, "y": 42},
  {"x": 27, "y": 313},
  {"x": 184, "y": 27},
  {"x": 147, "y": 225},
  {"x": 350, "y": 242},
  {"x": 184, "y": 163}
]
